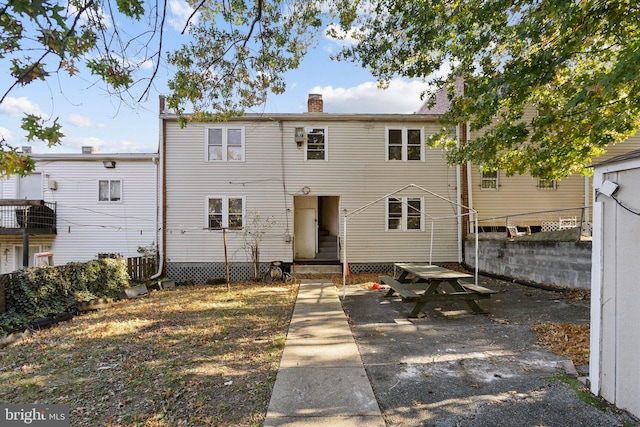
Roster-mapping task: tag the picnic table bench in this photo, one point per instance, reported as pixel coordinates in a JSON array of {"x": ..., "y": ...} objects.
[{"x": 423, "y": 283}]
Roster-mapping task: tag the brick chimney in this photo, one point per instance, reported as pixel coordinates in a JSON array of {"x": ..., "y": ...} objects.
[{"x": 314, "y": 103}]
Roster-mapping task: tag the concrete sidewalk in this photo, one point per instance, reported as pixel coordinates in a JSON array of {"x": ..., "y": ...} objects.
[{"x": 321, "y": 380}]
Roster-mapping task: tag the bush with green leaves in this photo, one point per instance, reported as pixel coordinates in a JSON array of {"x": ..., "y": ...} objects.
[{"x": 39, "y": 292}]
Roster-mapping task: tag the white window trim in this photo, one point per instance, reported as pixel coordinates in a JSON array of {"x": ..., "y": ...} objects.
[
  {"x": 405, "y": 143},
  {"x": 405, "y": 212},
  {"x": 482, "y": 180},
  {"x": 225, "y": 212},
  {"x": 224, "y": 144},
  {"x": 308, "y": 129},
  {"x": 110, "y": 180}
]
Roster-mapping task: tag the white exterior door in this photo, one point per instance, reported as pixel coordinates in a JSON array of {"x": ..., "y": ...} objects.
[
  {"x": 305, "y": 229},
  {"x": 30, "y": 187},
  {"x": 17, "y": 256}
]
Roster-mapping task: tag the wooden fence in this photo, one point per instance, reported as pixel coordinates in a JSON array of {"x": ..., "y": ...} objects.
[{"x": 141, "y": 268}]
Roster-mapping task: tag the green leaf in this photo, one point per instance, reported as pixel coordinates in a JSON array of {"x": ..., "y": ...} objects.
[{"x": 576, "y": 61}]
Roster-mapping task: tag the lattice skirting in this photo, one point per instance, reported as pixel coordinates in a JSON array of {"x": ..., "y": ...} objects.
[
  {"x": 201, "y": 272},
  {"x": 370, "y": 268}
]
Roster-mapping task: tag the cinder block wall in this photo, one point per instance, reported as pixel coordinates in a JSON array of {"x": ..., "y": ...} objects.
[{"x": 566, "y": 264}]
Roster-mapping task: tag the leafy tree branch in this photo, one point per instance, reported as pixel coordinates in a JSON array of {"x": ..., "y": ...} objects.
[{"x": 576, "y": 63}]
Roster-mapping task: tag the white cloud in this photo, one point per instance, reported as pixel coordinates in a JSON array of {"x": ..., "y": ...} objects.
[
  {"x": 402, "y": 96},
  {"x": 180, "y": 12},
  {"x": 6, "y": 135},
  {"x": 82, "y": 121},
  {"x": 345, "y": 38},
  {"x": 18, "y": 107}
]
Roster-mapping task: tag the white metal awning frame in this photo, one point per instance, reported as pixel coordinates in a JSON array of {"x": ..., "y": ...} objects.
[{"x": 472, "y": 214}]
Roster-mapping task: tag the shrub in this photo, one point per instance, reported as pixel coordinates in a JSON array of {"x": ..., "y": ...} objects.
[{"x": 39, "y": 292}]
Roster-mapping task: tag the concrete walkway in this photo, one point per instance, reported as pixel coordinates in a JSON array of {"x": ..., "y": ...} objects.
[{"x": 321, "y": 380}]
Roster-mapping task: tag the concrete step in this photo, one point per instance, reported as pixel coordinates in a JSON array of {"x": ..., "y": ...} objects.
[
  {"x": 316, "y": 269},
  {"x": 327, "y": 245},
  {"x": 327, "y": 255}
]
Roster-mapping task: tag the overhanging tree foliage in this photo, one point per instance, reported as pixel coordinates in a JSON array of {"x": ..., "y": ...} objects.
[
  {"x": 233, "y": 52},
  {"x": 39, "y": 38},
  {"x": 576, "y": 61}
]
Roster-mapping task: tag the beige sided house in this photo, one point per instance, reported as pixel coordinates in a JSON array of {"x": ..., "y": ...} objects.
[
  {"x": 494, "y": 195},
  {"x": 290, "y": 179}
]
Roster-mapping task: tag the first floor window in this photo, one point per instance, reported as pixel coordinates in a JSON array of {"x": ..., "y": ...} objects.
[
  {"x": 489, "y": 180},
  {"x": 225, "y": 212},
  {"x": 414, "y": 214},
  {"x": 109, "y": 190},
  {"x": 404, "y": 213},
  {"x": 394, "y": 215}
]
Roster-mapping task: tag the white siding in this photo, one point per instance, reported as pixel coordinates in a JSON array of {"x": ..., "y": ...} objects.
[
  {"x": 86, "y": 227},
  {"x": 275, "y": 172},
  {"x": 614, "y": 371}
]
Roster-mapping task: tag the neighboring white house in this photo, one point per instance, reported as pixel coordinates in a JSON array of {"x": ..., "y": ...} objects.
[
  {"x": 615, "y": 341},
  {"x": 94, "y": 203},
  {"x": 302, "y": 173}
]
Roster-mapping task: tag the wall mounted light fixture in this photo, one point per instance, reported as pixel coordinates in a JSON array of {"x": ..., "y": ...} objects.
[
  {"x": 608, "y": 188},
  {"x": 109, "y": 164}
]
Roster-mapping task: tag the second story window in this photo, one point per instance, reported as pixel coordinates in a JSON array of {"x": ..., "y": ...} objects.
[
  {"x": 225, "y": 144},
  {"x": 316, "y": 144},
  {"x": 109, "y": 190},
  {"x": 489, "y": 180},
  {"x": 404, "y": 144}
]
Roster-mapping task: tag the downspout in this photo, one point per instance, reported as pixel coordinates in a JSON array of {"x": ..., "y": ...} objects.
[
  {"x": 473, "y": 219},
  {"x": 469, "y": 190},
  {"x": 287, "y": 236},
  {"x": 469, "y": 201},
  {"x": 160, "y": 193},
  {"x": 459, "y": 201}
]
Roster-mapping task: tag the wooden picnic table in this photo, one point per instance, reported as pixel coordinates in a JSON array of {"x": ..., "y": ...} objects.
[{"x": 423, "y": 283}]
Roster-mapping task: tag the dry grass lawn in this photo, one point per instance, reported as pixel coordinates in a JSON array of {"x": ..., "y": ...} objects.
[{"x": 190, "y": 356}]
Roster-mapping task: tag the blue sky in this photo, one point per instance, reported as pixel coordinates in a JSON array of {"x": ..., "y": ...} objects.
[{"x": 90, "y": 117}]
